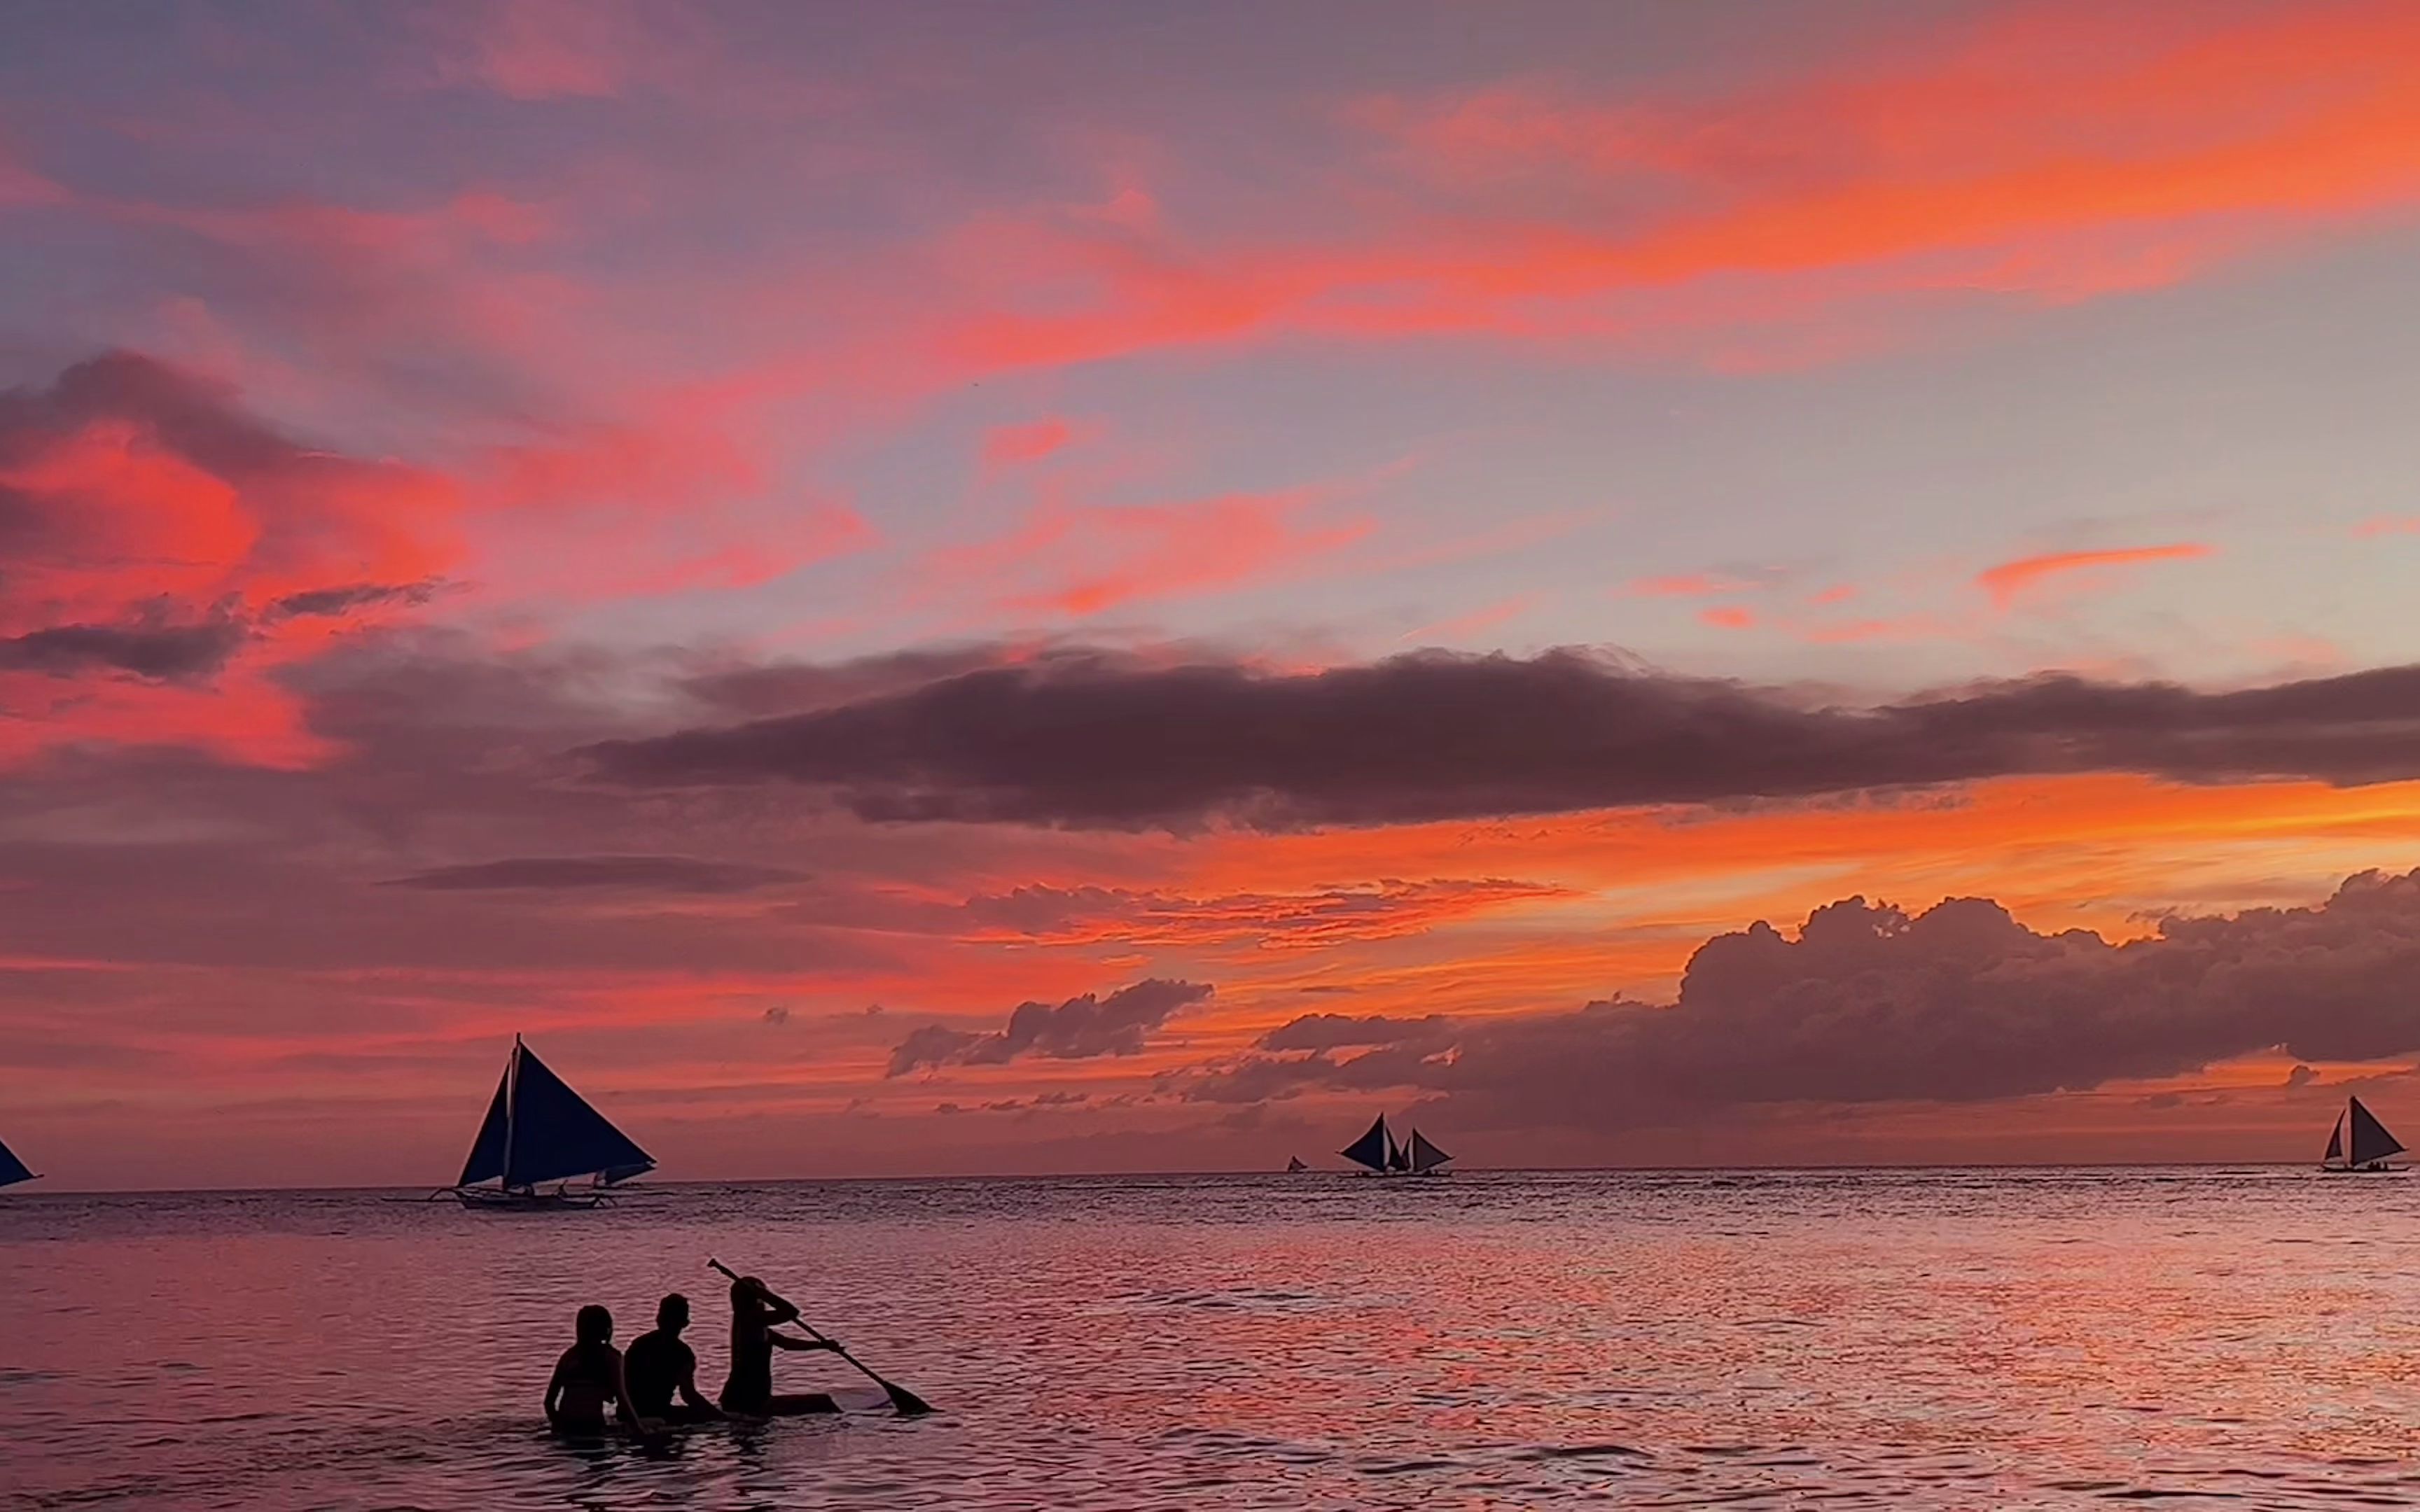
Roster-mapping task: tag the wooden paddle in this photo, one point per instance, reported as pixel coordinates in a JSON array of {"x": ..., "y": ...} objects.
[{"x": 907, "y": 1402}]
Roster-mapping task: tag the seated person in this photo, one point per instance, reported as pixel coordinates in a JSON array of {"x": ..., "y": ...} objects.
[
  {"x": 748, "y": 1391},
  {"x": 660, "y": 1362},
  {"x": 588, "y": 1376}
]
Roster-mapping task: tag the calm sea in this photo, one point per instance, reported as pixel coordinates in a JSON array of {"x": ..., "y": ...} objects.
[{"x": 1937, "y": 1338}]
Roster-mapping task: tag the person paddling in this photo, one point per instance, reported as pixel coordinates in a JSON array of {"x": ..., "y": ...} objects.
[
  {"x": 588, "y": 1376},
  {"x": 755, "y": 1313},
  {"x": 660, "y": 1364}
]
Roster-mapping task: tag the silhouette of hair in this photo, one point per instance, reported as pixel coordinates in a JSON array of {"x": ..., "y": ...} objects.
[
  {"x": 593, "y": 1325},
  {"x": 672, "y": 1312}
]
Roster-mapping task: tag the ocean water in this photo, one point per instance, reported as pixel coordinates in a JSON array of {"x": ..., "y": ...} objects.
[{"x": 1909, "y": 1338}]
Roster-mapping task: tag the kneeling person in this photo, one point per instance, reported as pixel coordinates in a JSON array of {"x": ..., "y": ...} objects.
[
  {"x": 660, "y": 1363},
  {"x": 755, "y": 1312}
]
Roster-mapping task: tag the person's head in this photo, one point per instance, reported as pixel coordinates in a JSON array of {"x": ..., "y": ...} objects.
[
  {"x": 672, "y": 1314},
  {"x": 747, "y": 1294},
  {"x": 593, "y": 1325}
]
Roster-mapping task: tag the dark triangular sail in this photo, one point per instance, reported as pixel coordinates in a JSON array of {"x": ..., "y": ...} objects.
[
  {"x": 2369, "y": 1139},
  {"x": 486, "y": 1160},
  {"x": 1371, "y": 1149},
  {"x": 12, "y": 1170},
  {"x": 555, "y": 1134},
  {"x": 1398, "y": 1158},
  {"x": 1425, "y": 1156},
  {"x": 2335, "y": 1141},
  {"x": 1293, "y": 1163}
]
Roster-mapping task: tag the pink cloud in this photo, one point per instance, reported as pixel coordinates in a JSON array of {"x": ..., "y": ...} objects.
[
  {"x": 2010, "y": 581},
  {"x": 1487, "y": 618},
  {"x": 1684, "y": 585},
  {"x": 1080, "y": 560},
  {"x": 1009, "y": 445}
]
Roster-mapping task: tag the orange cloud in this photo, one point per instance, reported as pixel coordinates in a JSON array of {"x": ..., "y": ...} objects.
[
  {"x": 1008, "y": 445},
  {"x": 2012, "y": 580},
  {"x": 1080, "y": 560},
  {"x": 166, "y": 541},
  {"x": 1728, "y": 617},
  {"x": 1501, "y": 612},
  {"x": 1684, "y": 585},
  {"x": 2058, "y": 154}
]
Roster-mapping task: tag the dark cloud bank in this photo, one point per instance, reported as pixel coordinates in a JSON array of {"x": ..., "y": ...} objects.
[
  {"x": 1959, "y": 1003},
  {"x": 648, "y": 874},
  {"x": 1092, "y": 740},
  {"x": 1077, "y": 1029}
]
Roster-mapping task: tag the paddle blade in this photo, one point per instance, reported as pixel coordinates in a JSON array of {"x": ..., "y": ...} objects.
[{"x": 907, "y": 1403}]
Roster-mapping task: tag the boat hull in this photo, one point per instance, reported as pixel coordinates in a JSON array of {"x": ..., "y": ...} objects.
[{"x": 479, "y": 1199}]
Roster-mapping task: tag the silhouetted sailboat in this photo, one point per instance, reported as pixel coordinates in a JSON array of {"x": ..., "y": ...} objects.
[
  {"x": 1374, "y": 1149},
  {"x": 1293, "y": 1163},
  {"x": 12, "y": 1170},
  {"x": 2359, "y": 1143},
  {"x": 1378, "y": 1152},
  {"x": 538, "y": 1130}
]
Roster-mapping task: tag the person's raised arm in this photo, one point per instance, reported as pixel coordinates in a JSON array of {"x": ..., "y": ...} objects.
[{"x": 784, "y": 1341}]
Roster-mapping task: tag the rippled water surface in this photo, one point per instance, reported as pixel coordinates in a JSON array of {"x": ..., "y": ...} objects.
[{"x": 1939, "y": 1339}]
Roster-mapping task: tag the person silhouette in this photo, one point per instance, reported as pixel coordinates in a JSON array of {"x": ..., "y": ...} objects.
[
  {"x": 660, "y": 1364},
  {"x": 755, "y": 1313},
  {"x": 588, "y": 1376}
]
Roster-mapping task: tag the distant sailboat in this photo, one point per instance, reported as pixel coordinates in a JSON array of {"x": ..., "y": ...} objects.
[
  {"x": 2358, "y": 1142},
  {"x": 12, "y": 1170},
  {"x": 1293, "y": 1163},
  {"x": 1378, "y": 1152},
  {"x": 539, "y": 1130}
]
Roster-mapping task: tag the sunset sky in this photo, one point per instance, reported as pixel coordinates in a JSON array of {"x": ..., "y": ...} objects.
[{"x": 1325, "y": 550}]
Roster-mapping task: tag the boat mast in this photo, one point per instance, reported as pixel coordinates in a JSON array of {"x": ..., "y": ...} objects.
[{"x": 512, "y": 1096}]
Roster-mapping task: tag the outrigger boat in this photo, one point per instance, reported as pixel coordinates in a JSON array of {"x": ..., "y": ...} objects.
[
  {"x": 1378, "y": 1152},
  {"x": 12, "y": 1170},
  {"x": 2359, "y": 1144},
  {"x": 538, "y": 1130}
]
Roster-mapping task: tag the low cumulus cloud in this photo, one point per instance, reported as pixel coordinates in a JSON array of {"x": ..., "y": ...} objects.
[
  {"x": 1079, "y": 1029},
  {"x": 148, "y": 648},
  {"x": 1098, "y": 740},
  {"x": 648, "y": 874},
  {"x": 327, "y": 603},
  {"x": 1871, "y": 1004},
  {"x": 1316, "y": 918}
]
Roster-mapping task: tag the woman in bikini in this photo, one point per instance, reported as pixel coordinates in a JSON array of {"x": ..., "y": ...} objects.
[{"x": 588, "y": 1377}]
